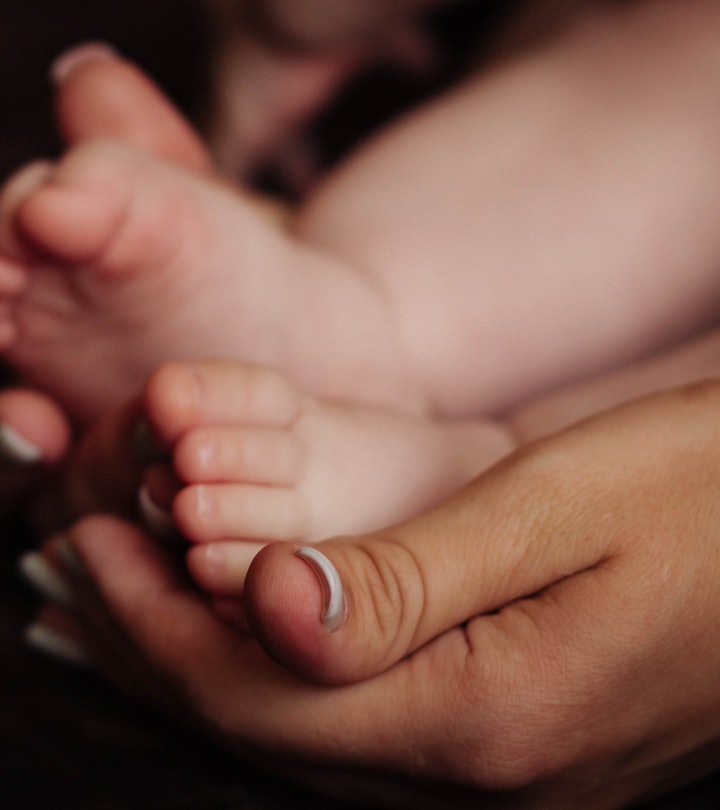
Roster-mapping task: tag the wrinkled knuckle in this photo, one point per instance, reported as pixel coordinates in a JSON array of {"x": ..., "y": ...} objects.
[{"x": 392, "y": 586}]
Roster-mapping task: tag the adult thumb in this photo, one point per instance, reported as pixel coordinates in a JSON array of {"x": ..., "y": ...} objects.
[
  {"x": 554, "y": 509},
  {"x": 350, "y": 607}
]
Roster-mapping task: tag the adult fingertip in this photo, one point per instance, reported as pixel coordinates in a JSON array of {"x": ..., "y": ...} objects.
[
  {"x": 16, "y": 449},
  {"x": 56, "y": 644},
  {"x": 292, "y": 609},
  {"x": 70, "y": 60},
  {"x": 33, "y": 430},
  {"x": 331, "y": 612},
  {"x": 44, "y": 577}
]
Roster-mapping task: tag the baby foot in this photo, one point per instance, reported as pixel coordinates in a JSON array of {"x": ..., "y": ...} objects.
[
  {"x": 128, "y": 262},
  {"x": 257, "y": 460}
]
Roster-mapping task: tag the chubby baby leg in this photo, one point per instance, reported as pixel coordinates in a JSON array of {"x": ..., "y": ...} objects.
[{"x": 257, "y": 459}]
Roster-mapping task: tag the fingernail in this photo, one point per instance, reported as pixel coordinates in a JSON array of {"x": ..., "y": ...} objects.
[
  {"x": 67, "y": 62},
  {"x": 145, "y": 446},
  {"x": 57, "y": 645},
  {"x": 334, "y": 608},
  {"x": 15, "y": 448},
  {"x": 41, "y": 575},
  {"x": 158, "y": 520}
]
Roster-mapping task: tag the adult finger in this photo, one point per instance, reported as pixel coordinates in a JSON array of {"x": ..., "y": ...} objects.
[
  {"x": 351, "y": 607},
  {"x": 32, "y": 428},
  {"x": 569, "y": 694},
  {"x": 34, "y": 437},
  {"x": 160, "y": 638},
  {"x": 101, "y": 95}
]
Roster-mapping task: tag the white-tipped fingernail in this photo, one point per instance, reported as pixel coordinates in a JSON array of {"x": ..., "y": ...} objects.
[
  {"x": 71, "y": 59},
  {"x": 46, "y": 580},
  {"x": 15, "y": 448},
  {"x": 334, "y": 607},
  {"x": 158, "y": 520},
  {"x": 57, "y": 645}
]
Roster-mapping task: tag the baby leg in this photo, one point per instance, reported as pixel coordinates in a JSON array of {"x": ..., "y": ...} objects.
[
  {"x": 257, "y": 459},
  {"x": 522, "y": 224},
  {"x": 687, "y": 363}
]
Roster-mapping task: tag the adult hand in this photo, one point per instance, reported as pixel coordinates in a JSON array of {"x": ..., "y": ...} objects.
[
  {"x": 34, "y": 437},
  {"x": 545, "y": 638}
]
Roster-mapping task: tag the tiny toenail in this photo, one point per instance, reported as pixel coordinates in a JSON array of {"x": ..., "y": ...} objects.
[
  {"x": 204, "y": 502},
  {"x": 215, "y": 558},
  {"x": 15, "y": 448},
  {"x": 50, "y": 642},
  {"x": 47, "y": 581},
  {"x": 334, "y": 607},
  {"x": 69, "y": 60},
  {"x": 207, "y": 453},
  {"x": 158, "y": 520}
]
